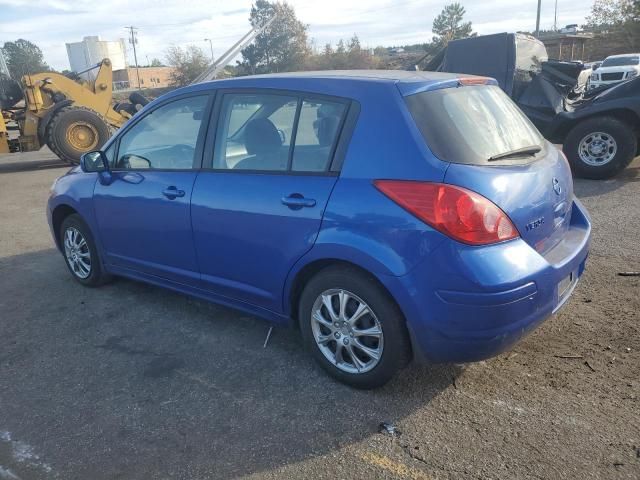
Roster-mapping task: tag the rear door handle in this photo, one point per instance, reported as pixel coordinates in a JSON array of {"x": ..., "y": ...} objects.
[
  {"x": 295, "y": 201},
  {"x": 172, "y": 192}
]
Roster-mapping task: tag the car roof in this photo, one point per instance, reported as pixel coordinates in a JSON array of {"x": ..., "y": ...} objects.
[
  {"x": 367, "y": 75},
  {"x": 408, "y": 82}
]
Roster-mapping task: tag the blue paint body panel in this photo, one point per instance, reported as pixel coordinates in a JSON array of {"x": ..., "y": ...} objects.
[{"x": 231, "y": 240}]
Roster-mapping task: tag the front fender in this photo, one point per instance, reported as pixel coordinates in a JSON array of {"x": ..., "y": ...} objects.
[{"x": 74, "y": 190}]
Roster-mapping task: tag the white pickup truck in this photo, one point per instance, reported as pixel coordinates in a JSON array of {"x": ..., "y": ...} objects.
[{"x": 615, "y": 69}]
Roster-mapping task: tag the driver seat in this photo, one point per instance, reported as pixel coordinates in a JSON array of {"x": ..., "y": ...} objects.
[{"x": 263, "y": 142}]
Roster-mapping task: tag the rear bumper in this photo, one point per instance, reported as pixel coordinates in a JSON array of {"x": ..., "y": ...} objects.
[{"x": 471, "y": 303}]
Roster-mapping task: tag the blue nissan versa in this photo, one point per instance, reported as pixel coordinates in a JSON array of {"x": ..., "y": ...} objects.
[{"x": 390, "y": 215}]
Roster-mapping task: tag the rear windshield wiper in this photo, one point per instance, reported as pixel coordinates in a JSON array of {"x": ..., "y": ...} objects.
[{"x": 519, "y": 152}]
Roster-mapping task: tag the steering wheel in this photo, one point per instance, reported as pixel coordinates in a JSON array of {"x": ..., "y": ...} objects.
[{"x": 179, "y": 154}]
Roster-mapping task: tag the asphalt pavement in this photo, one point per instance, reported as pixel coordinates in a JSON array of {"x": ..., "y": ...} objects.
[{"x": 130, "y": 381}]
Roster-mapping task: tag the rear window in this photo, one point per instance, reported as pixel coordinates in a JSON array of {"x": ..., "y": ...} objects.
[{"x": 472, "y": 124}]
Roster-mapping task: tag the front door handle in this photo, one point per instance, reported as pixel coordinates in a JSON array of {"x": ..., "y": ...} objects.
[
  {"x": 172, "y": 193},
  {"x": 295, "y": 201}
]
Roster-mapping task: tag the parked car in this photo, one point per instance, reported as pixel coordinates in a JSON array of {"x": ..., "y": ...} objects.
[
  {"x": 598, "y": 128},
  {"x": 389, "y": 215},
  {"x": 615, "y": 69}
]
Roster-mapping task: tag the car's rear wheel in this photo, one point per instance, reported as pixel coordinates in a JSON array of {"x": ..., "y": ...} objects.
[
  {"x": 353, "y": 328},
  {"x": 599, "y": 148},
  {"x": 80, "y": 252}
]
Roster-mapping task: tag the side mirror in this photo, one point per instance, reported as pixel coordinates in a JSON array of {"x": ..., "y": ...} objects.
[
  {"x": 94, "y": 162},
  {"x": 283, "y": 136}
]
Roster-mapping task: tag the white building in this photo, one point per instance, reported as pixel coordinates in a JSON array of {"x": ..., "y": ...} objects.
[
  {"x": 91, "y": 50},
  {"x": 3, "y": 65}
]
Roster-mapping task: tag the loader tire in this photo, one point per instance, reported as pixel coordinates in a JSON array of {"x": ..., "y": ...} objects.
[{"x": 76, "y": 130}]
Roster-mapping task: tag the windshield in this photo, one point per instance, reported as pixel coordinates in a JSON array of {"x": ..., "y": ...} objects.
[
  {"x": 473, "y": 124},
  {"x": 621, "y": 61}
]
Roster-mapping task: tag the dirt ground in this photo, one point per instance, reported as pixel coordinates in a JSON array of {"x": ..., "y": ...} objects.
[{"x": 131, "y": 381}]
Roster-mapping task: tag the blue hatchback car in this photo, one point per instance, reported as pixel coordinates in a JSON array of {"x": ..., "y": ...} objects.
[{"x": 390, "y": 215}]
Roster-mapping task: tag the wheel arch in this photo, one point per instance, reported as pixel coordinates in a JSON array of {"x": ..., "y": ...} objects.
[
  {"x": 58, "y": 215},
  {"x": 626, "y": 115},
  {"x": 312, "y": 268}
]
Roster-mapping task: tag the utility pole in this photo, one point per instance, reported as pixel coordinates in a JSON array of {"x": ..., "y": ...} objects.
[
  {"x": 538, "y": 19},
  {"x": 555, "y": 18},
  {"x": 211, "y": 47},
  {"x": 133, "y": 40}
]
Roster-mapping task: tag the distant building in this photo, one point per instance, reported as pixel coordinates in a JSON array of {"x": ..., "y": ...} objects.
[
  {"x": 566, "y": 46},
  {"x": 150, "y": 77},
  {"x": 3, "y": 64},
  {"x": 91, "y": 50}
]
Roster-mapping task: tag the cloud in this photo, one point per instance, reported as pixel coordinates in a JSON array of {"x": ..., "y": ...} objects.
[{"x": 162, "y": 23}]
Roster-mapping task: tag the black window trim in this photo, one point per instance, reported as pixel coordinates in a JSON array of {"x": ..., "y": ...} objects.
[
  {"x": 340, "y": 143},
  {"x": 198, "y": 156}
]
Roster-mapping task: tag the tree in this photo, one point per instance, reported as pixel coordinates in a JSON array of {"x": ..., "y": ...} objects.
[
  {"x": 357, "y": 57},
  {"x": 282, "y": 46},
  {"x": 187, "y": 63},
  {"x": 156, "y": 63},
  {"x": 617, "y": 22},
  {"x": 448, "y": 25},
  {"x": 22, "y": 57}
]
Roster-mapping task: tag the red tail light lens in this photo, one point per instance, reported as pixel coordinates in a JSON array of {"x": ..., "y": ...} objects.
[{"x": 461, "y": 214}]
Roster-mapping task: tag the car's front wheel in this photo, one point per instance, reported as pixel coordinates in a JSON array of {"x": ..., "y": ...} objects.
[
  {"x": 600, "y": 147},
  {"x": 80, "y": 252},
  {"x": 353, "y": 328}
]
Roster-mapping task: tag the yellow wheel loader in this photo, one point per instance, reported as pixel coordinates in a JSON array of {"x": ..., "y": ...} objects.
[{"x": 70, "y": 117}]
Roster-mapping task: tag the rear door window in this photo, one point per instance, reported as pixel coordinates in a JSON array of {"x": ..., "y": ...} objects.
[
  {"x": 254, "y": 132},
  {"x": 473, "y": 124},
  {"x": 277, "y": 132}
]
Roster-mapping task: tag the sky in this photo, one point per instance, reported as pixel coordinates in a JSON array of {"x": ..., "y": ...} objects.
[{"x": 162, "y": 23}]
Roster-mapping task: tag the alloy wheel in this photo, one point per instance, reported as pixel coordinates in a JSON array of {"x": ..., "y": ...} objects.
[
  {"x": 77, "y": 253},
  {"x": 347, "y": 331}
]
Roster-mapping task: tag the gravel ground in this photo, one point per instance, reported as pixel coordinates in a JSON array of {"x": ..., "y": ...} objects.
[{"x": 131, "y": 381}]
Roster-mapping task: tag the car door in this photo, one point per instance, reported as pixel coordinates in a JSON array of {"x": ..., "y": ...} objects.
[
  {"x": 143, "y": 214},
  {"x": 259, "y": 208}
]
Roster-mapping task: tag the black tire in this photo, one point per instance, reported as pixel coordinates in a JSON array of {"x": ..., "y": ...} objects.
[
  {"x": 626, "y": 147},
  {"x": 63, "y": 120},
  {"x": 96, "y": 276},
  {"x": 138, "y": 99},
  {"x": 396, "y": 351}
]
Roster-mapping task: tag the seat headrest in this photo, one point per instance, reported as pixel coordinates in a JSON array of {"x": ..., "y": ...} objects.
[{"x": 261, "y": 136}]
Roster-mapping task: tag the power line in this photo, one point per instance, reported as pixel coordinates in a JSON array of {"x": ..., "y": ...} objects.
[{"x": 133, "y": 31}]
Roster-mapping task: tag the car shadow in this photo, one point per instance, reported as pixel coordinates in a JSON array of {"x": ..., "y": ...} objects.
[
  {"x": 134, "y": 381},
  {"x": 594, "y": 188}
]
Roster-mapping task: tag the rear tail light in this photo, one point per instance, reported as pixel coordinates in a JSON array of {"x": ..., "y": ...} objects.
[{"x": 461, "y": 214}]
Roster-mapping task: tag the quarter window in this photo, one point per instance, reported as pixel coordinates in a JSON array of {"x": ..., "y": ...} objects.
[
  {"x": 316, "y": 135},
  {"x": 258, "y": 132},
  {"x": 165, "y": 138}
]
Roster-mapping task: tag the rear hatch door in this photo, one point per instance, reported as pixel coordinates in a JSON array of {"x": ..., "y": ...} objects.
[{"x": 494, "y": 150}]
